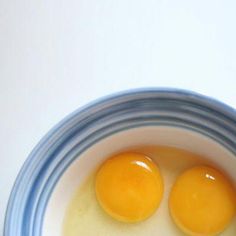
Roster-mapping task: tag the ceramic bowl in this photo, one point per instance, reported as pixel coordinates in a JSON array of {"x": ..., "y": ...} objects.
[{"x": 79, "y": 143}]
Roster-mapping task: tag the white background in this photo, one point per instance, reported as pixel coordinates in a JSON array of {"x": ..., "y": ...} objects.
[{"x": 56, "y": 56}]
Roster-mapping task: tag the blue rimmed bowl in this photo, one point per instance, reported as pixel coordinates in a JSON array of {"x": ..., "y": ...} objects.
[{"x": 80, "y": 142}]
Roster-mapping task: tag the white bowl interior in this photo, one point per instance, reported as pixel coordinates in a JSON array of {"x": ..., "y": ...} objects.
[{"x": 95, "y": 155}]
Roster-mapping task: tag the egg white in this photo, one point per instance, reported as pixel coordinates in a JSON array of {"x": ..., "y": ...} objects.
[{"x": 85, "y": 217}]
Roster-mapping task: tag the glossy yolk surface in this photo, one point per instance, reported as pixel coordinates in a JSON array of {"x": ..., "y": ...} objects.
[
  {"x": 202, "y": 201},
  {"x": 129, "y": 187}
]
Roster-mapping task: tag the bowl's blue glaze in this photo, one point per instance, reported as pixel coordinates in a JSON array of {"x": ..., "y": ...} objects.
[{"x": 104, "y": 117}]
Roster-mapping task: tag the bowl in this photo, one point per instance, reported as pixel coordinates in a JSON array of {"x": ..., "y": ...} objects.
[{"x": 79, "y": 143}]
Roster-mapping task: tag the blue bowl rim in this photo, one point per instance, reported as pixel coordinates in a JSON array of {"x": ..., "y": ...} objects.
[{"x": 185, "y": 95}]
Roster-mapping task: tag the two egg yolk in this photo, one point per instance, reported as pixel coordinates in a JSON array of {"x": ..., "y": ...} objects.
[
  {"x": 129, "y": 187},
  {"x": 202, "y": 201}
]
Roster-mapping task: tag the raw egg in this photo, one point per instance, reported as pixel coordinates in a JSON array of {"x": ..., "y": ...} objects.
[
  {"x": 85, "y": 216},
  {"x": 202, "y": 201},
  {"x": 129, "y": 187}
]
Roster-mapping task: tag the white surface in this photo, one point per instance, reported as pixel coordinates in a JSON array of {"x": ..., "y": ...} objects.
[
  {"x": 58, "y": 55},
  {"x": 165, "y": 136}
]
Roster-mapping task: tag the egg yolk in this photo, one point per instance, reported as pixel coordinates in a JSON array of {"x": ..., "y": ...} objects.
[
  {"x": 202, "y": 201},
  {"x": 129, "y": 187}
]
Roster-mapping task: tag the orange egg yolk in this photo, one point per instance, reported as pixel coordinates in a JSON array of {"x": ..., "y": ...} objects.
[
  {"x": 129, "y": 187},
  {"x": 202, "y": 201}
]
